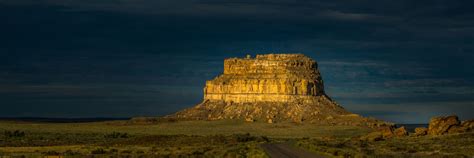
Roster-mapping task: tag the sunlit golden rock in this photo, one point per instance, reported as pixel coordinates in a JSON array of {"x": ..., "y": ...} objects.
[
  {"x": 273, "y": 78},
  {"x": 441, "y": 125},
  {"x": 270, "y": 88},
  {"x": 421, "y": 131}
]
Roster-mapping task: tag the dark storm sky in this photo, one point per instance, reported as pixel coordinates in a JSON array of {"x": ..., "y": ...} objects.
[{"x": 399, "y": 60}]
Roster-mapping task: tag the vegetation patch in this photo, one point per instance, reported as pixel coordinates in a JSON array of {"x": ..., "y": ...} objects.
[
  {"x": 457, "y": 145},
  {"x": 14, "y": 134}
]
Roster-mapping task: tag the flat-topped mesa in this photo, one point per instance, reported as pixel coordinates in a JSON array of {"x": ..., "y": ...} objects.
[
  {"x": 271, "y": 88},
  {"x": 269, "y": 64},
  {"x": 267, "y": 78}
]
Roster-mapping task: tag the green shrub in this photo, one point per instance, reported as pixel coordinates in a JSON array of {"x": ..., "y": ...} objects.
[
  {"x": 98, "y": 151},
  {"x": 116, "y": 135},
  {"x": 244, "y": 137},
  {"x": 71, "y": 153},
  {"x": 126, "y": 152},
  {"x": 14, "y": 134},
  {"x": 264, "y": 139},
  {"x": 113, "y": 150},
  {"x": 51, "y": 153}
]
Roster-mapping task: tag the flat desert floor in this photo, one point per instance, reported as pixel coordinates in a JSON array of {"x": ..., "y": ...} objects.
[{"x": 225, "y": 138}]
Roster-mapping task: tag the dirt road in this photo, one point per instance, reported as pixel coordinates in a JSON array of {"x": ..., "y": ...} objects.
[{"x": 285, "y": 151}]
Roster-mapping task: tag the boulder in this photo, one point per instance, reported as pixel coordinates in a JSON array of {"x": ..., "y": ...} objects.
[
  {"x": 465, "y": 126},
  {"x": 400, "y": 132},
  {"x": 249, "y": 119},
  {"x": 469, "y": 124},
  {"x": 374, "y": 136},
  {"x": 387, "y": 131},
  {"x": 441, "y": 125},
  {"x": 269, "y": 121},
  {"x": 421, "y": 131},
  {"x": 457, "y": 129}
]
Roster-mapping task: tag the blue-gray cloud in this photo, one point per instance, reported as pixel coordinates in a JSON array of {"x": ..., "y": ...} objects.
[{"x": 152, "y": 57}]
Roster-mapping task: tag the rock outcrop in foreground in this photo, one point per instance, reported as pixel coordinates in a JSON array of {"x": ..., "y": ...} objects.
[
  {"x": 449, "y": 125},
  {"x": 270, "y": 88},
  {"x": 442, "y": 125}
]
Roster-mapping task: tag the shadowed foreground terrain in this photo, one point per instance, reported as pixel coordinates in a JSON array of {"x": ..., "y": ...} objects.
[
  {"x": 282, "y": 150},
  {"x": 224, "y": 138}
]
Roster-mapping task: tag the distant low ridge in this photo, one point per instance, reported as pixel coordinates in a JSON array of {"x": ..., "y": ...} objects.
[
  {"x": 62, "y": 120},
  {"x": 271, "y": 88}
]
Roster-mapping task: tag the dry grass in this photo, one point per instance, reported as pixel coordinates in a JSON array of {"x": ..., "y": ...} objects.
[
  {"x": 459, "y": 145},
  {"x": 225, "y": 138},
  {"x": 225, "y": 127}
]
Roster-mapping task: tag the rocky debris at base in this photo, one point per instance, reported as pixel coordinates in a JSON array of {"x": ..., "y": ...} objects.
[
  {"x": 269, "y": 121},
  {"x": 275, "y": 112}
]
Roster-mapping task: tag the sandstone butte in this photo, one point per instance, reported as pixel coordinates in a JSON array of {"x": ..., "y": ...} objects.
[{"x": 271, "y": 88}]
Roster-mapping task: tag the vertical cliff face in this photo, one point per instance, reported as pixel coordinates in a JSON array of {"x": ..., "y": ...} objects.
[
  {"x": 273, "y": 78},
  {"x": 270, "y": 88}
]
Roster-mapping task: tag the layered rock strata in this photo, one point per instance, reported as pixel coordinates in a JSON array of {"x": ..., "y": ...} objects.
[
  {"x": 271, "y": 78},
  {"x": 270, "y": 88}
]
